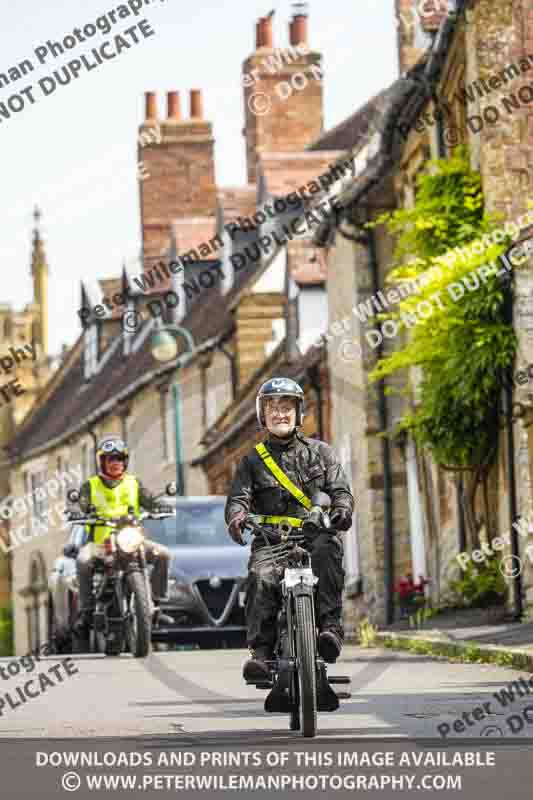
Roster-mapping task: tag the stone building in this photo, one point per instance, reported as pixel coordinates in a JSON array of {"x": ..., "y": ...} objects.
[
  {"x": 469, "y": 60},
  {"x": 25, "y": 366}
]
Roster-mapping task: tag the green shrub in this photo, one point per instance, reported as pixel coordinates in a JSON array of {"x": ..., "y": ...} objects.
[
  {"x": 6, "y": 632},
  {"x": 482, "y": 585},
  {"x": 367, "y": 633}
]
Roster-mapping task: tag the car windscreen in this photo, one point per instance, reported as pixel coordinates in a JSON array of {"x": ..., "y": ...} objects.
[{"x": 195, "y": 525}]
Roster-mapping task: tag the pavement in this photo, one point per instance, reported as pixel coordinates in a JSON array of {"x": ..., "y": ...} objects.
[{"x": 453, "y": 634}]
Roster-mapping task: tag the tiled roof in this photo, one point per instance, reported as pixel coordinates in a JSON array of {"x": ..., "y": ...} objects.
[
  {"x": 284, "y": 173},
  {"x": 352, "y": 131},
  {"x": 72, "y": 400}
]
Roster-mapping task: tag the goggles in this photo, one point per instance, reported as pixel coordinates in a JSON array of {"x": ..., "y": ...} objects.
[{"x": 117, "y": 446}]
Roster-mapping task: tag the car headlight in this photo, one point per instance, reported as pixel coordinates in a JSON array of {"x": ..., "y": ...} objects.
[{"x": 129, "y": 540}]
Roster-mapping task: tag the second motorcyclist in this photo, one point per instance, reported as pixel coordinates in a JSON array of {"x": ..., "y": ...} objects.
[{"x": 112, "y": 491}]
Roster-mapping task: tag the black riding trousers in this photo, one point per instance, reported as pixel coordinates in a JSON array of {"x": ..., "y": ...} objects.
[{"x": 264, "y": 598}]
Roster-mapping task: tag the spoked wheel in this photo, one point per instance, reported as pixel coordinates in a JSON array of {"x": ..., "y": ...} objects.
[
  {"x": 306, "y": 643},
  {"x": 139, "y": 624},
  {"x": 294, "y": 716},
  {"x": 295, "y": 720}
]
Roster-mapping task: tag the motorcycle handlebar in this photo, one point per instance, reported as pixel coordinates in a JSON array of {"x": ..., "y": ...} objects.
[{"x": 110, "y": 522}]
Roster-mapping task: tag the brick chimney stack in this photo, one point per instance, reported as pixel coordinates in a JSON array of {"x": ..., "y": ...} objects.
[
  {"x": 418, "y": 21},
  {"x": 283, "y": 97},
  {"x": 178, "y": 159}
]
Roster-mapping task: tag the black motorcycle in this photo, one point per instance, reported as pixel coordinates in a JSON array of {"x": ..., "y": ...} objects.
[
  {"x": 298, "y": 682},
  {"x": 123, "y": 605}
]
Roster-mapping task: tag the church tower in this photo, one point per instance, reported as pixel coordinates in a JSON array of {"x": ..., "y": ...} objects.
[{"x": 39, "y": 271}]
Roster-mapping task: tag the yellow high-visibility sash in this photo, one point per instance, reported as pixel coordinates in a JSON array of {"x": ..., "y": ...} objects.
[
  {"x": 280, "y": 476},
  {"x": 267, "y": 519}
]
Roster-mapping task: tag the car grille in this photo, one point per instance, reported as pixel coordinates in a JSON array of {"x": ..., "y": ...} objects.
[{"x": 216, "y": 600}]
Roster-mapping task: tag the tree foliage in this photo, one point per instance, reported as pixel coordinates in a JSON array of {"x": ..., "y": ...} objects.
[{"x": 463, "y": 345}]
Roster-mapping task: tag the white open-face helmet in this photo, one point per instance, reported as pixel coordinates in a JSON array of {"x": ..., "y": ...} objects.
[{"x": 281, "y": 387}]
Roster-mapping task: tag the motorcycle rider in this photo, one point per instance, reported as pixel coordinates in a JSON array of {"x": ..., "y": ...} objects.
[
  {"x": 111, "y": 492},
  {"x": 275, "y": 480}
]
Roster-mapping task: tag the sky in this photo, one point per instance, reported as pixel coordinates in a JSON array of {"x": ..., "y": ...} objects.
[{"x": 74, "y": 153}]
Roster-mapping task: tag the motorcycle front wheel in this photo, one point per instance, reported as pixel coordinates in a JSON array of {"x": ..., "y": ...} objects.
[
  {"x": 139, "y": 624},
  {"x": 306, "y": 657}
]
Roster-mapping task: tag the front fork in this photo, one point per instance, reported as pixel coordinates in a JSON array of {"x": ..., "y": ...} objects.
[{"x": 288, "y": 647}]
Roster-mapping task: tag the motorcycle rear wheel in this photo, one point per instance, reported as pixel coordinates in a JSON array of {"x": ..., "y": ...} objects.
[
  {"x": 306, "y": 656},
  {"x": 139, "y": 626}
]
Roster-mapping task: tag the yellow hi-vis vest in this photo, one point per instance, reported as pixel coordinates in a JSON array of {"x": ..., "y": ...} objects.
[{"x": 112, "y": 502}]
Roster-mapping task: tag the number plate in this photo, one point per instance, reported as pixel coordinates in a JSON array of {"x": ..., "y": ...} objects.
[{"x": 296, "y": 576}]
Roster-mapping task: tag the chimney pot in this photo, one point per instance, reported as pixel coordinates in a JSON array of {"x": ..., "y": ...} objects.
[
  {"x": 173, "y": 106},
  {"x": 259, "y": 33},
  {"x": 196, "y": 104},
  {"x": 268, "y": 37},
  {"x": 151, "y": 105},
  {"x": 298, "y": 29}
]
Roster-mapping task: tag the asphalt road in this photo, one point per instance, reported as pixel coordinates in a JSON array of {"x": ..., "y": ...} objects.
[{"x": 199, "y": 697}]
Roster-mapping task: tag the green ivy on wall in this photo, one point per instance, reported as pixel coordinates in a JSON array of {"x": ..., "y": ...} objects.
[{"x": 465, "y": 346}]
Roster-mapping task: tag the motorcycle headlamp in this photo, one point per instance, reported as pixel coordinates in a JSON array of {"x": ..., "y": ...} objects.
[{"x": 129, "y": 540}]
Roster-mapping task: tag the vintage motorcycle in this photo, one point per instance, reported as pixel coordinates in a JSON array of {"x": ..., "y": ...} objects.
[
  {"x": 123, "y": 605},
  {"x": 298, "y": 682}
]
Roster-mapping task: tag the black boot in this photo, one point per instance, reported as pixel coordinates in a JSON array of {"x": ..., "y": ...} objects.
[
  {"x": 256, "y": 668},
  {"x": 330, "y": 644}
]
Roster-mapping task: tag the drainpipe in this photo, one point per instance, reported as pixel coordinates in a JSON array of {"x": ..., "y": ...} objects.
[
  {"x": 460, "y": 493},
  {"x": 233, "y": 368},
  {"x": 441, "y": 145},
  {"x": 388, "y": 566},
  {"x": 91, "y": 432},
  {"x": 314, "y": 380},
  {"x": 513, "y": 515}
]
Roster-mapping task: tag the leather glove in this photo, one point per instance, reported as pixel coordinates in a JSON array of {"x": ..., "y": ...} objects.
[
  {"x": 341, "y": 519},
  {"x": 235, "y": 527}
]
